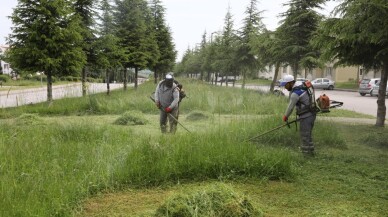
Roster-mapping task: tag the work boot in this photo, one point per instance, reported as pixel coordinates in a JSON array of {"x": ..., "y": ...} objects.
[
  {"x": 308, "y": 154},
  {"x": 307, "y": 151},
  {"x": 163, "y": 128}
]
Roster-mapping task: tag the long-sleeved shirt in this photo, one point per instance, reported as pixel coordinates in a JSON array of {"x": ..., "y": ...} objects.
[
  {"x": 301, "y": 100},
  {"x": 167, "y": 96}
]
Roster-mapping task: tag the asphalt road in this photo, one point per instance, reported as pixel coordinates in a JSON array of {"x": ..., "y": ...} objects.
[{"x": 352, "y": 100}]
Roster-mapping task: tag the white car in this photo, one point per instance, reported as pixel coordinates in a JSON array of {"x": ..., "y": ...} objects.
[
  {"x": 323, "y": 83},
  {"x": 366, "y": 86},
  {"x": 375, "y": 90}
]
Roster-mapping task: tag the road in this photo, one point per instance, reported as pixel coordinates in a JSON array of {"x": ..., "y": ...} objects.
[
  {"x": 353, "y": 101},
  {"x": 14, "y": 98}
]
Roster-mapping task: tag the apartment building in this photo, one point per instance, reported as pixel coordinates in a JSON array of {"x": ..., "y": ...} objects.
[{"x": 6, "y": 68}]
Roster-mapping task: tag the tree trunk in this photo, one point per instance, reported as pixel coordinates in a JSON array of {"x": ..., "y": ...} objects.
[
  {"x": 49, "y": 87},
  {"x": 295, "y": 70},
  {"x": 83, "y": 81},
  {"x": 381, "y": 108},
  {"x": 244, "y": 77},
  {"x": 275, "y": 76},
  {"x": 107, "y": 77},
  {"x": 125, "y": 81},
  {"x": 156, "y": 77},
  {"x": 136, "y": 72}
]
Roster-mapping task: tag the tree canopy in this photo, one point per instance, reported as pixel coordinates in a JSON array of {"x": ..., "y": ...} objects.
[{"x": 358, "y": 37}]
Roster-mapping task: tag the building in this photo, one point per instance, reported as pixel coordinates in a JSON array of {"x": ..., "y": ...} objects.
[
  {"x": 6, "y": 68},
  {"x": 337, "y": 74}
]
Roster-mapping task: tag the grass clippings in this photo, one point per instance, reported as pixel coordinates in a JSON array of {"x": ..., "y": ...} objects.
[
  {"x": 213, "y": 200},
  {"x": 131, "y": 118}
]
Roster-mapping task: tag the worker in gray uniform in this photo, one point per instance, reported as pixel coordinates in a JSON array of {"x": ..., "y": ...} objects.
[
  {"x": 167, "y": 100},
  {"x": 301, "y": 99}
]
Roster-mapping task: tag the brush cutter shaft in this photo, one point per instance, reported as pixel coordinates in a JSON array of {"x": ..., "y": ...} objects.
[{"x": 276, "y": 128}]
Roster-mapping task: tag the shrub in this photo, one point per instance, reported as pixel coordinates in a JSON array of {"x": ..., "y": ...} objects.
[{"x": 4, "y": 78}]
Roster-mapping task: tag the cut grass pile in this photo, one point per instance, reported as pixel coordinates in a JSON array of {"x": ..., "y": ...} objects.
[
  {"x": 131, "y": 118},
  {"x": 212, "y": 200}
]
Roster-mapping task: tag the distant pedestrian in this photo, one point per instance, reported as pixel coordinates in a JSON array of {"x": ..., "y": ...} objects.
[
  {"x": 301, "y": 99},
  {"x": 167, "y": 100}
]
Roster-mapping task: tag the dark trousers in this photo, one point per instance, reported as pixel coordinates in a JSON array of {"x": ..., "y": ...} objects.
[{"x": 306, "y": 129}]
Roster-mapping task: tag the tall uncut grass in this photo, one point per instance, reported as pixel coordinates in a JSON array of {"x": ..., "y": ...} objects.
[
  {"x": 48, "y": 168},
  {"x": 202, "y": 97}
]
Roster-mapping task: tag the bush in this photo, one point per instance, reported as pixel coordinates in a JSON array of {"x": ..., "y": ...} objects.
[{"x": 4, "y": 78}]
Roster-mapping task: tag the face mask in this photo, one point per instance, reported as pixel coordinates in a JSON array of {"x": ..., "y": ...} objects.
[
  {"x": 169, "y": 83},
  {"x": 288, "y": 86}
]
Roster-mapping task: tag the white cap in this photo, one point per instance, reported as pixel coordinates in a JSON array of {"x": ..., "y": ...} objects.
[
  {"x": 286, "y": 79},
  {"x": 169, "y": 76}
]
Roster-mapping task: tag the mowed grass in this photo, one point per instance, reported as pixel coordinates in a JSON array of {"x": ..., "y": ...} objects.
[{"x": 70, "y": 158}]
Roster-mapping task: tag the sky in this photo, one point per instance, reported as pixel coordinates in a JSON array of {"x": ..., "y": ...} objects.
[{"x": 190, "y": 19}]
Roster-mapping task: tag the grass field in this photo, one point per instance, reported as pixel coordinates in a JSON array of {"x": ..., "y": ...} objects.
[{"x": 77, "y": 157}]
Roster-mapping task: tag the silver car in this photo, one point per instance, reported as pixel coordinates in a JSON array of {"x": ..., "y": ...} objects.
[
  {"x": 366, "y": 85},
  {"x": 323, "y": 83},
  {"x": 375, "y": 90}
]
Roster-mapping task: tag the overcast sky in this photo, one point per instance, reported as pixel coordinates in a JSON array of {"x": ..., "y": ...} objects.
[{"x": 189, "y": 19}]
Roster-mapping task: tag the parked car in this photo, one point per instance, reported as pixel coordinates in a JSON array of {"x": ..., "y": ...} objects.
[
  {"x": 375, "y": 90},
  {"x": 366, "y": 85},
  {"x": 323, "y": 83}
]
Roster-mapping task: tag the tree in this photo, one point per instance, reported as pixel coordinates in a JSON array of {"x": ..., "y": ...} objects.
[
  {"x": 253, "y": 26},
  {"x": 132, "y": 31},
  {"x": 228, "y": 47},
  {"x": 166, "y": 60},
  {"x": 84, "y": 8},
  {"x": 109, "y": 54},
  {"x": 300, "y": 21},
  {"x": 268, "y": 47},
  {"x": 359, "y": 37},
  {"x": 46, "y": 37}
]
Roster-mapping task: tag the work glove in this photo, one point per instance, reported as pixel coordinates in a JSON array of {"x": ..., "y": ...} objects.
[
  {"x": 285, "y": 118},
  {"x": 157, "y": 104},
  {"x": 168, "y": 109}
]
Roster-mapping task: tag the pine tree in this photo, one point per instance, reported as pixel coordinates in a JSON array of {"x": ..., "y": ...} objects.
[
  {"x": 130, "y": 19},
  {"x": 109, "y": 54},
  {"x": 166, "y": 60},
  {"x": 253, "y": 26},
  {"x": 84, "y": 8},
  {"x": 298, "y": 25},
  {"x": 46, "y": 38},
  {"x": 229, "y": 46}
]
